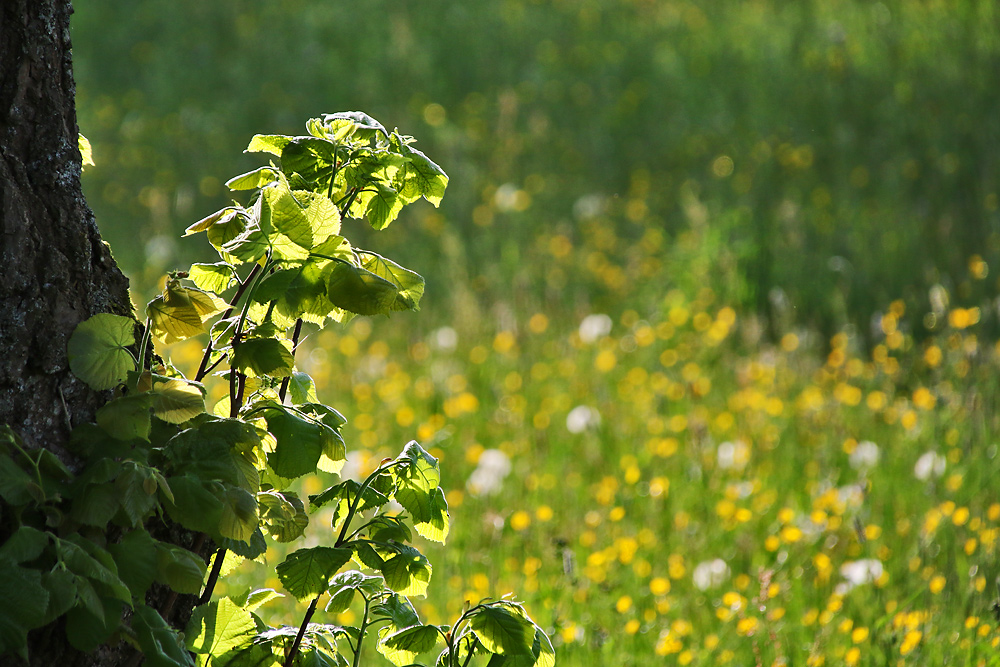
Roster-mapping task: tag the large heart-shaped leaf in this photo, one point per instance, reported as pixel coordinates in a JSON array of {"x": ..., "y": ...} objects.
[{"x": 98, "y": 352}]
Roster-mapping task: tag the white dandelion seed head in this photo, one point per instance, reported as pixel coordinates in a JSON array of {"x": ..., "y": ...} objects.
[
  {"x": 930, "y": 464},
  {"x": 710, "y": 573},
  {"x": 581, "y": 418},
  {"x": 594, "y": 327},
  {"x": 491, "y": 470},
  {"x": 865, "y": 455}
]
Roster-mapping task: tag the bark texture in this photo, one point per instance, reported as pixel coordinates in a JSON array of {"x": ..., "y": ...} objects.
[{"x": 54, "y": 269}]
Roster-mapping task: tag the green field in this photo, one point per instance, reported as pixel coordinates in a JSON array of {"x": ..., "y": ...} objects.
[
  {"x": 708, "y": 347},
  {"x": 679, "y": 487}
]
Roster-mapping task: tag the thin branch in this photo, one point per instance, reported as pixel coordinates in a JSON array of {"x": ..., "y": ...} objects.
[
  {"x": 203, "y": 369},
  {"x": 302, "y": 631},
  {"x": 295, "y": 346},
  {"x": 213, "y": 577}
]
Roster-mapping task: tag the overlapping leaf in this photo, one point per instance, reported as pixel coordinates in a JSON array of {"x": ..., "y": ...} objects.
[
  {"x": 307, "y": 572},
  {"x": 181, "y": 312}
]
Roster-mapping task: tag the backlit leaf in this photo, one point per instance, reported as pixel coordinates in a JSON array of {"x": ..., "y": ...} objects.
[
  {"x": 359, "y": 290},
  {"x": 252, "y": 180},
  {"x": 282, "y": 515},
  {"x": 409, "y": 285},
  {"x": 97, "y": 350},
  {"x": 180, "y": 312},
  {"x": 216, "y": 277},
  {"x": 502, "y": 630},
  {"x": 263, "y": 356},
  {"x": 219, "y": 627},
  {"x": 307, "y": 572},
  {"x": 268, "y": 143},
  {"x": 177, "y": 401},
  {"x": 401, "y": 648},
  {"x": 420, "y": 176}
]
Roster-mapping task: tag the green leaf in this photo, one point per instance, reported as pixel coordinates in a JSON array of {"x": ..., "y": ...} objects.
[
  {"x": 222, "y": 217},
  {"x": 181, "y": 312},
  {"x": 299, "y": 439},
  {"x": 384, "y": 528},
  {"x": 98, "y": 352},
  {"x": 218, "y": 627},
  {"x": 268, "y": 143},
  {"x": 136, "y": 488},
  {"x": 127, "y": 417},
  {"x": 95, "y": 498},
  {"x": 61, "y": 586},
  {"x": 161, "y": 644},
  {"x": 404, "y": 646},
  {"x": 420, "y": 176},
  {"x": 86, "y": 631},
  {"x": 239, "y": 515},
  {"x": 309, "y": 157},
  {"x": 502, "y": 630},
  {"x": 177, "y": 401},
  {"x": 220, "y": 449},
  {"x": 542, "y": 654},
  {"x": 87, "y": 559},
  {"x": 180, "y": 569},
  {"x": 362, "y": 125},
  {"x": 398, "y": 611},
  {"x": 251, "y": 599},
  {"x": 249, "y": 549},
  {"x": 26, "y": 544},
  {"x": 360, "y": 291},
  {"x": 298, "y": 290},
  {"x": 216, "y": 277},
  {"x": 302, "y": 388},
  {"x": 307, "y": 219},
  {"x": 282, "y": 514},
  {"x": 252, "y": 180},
  {"x": 384, "y": 206},
  {"x": 409, "y": 285},
  {"x": 136, "y": 557},
  {"x": 406, "y": 571},
  {"x": 416, "y": 468},
  {"x": 16, "y": 486},
  {"x": 198, "y": 503},
  {"x": 345, "y": 584},
  {"x": 344, "y": 494},
  {"x": 429, "y": 511},
  {"x": 307, "y": 572},
  {"x": 25, "y": 598},
  {"x": 260, "y": 357}
]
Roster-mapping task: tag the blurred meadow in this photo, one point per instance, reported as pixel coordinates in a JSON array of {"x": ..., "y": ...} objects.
[{"x": 708, "y": 347}]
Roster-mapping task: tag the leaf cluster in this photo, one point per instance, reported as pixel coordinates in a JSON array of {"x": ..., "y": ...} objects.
[{"x": 83, "y": 544}]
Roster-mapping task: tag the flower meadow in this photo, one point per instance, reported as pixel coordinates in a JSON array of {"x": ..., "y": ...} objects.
[{"x": 669, "y": 484}]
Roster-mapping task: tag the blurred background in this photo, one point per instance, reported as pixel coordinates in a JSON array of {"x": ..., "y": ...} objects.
[
  {"x": 810, "y": 161},
  {"x": 707, "y": 346}
]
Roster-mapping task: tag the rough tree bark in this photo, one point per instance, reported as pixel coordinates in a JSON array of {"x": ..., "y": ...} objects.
[{"x": 54, "y": 269}]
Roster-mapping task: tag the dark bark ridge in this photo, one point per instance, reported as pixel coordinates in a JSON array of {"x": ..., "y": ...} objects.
[{"x": 54, "y": 269}]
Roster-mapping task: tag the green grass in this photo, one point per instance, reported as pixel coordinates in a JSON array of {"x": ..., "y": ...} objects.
[
  {"x": 723, "y": 181},
  {"x": 786, "y": 463}
]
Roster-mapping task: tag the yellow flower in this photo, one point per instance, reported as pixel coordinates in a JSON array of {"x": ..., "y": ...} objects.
[
  {"x": 520, "y": 520},
  {"x": 659, "y": 586}
]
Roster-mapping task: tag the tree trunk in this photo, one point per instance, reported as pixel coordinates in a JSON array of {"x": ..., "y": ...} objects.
[{"x": 55, "y": 271}]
